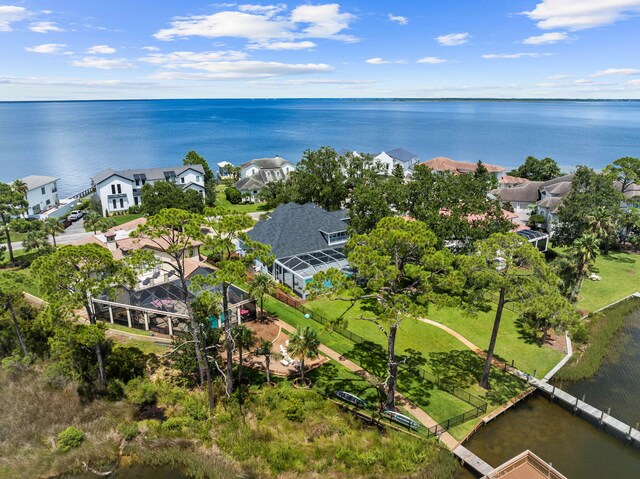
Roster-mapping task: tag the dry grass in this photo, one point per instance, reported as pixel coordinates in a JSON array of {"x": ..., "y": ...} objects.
[{"x": 33, "y": 413}]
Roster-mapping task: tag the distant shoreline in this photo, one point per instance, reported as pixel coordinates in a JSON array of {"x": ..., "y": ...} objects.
[{"x": 443, "y": 99}]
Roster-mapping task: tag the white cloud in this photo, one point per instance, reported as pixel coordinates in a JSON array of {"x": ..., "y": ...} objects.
[
  {"x": 325, "y": 21},
  {"x": 315, "y": 81},
  {"x": 432, "y": 60},
  {"x": 547, "y": 38},
  {"x": 514, "y": 55},
  {"x": 151, "y": 49},
  {"x": 71, "y": 82},
  {"x": 264, "y": 24},
  {"x": 561, "y": 76},
  {"x": 381, "y": 61},
  {"x": 178, "y": 59},
  {"x": 398, "y": 19},
  {"x": 50, "y": 48},
  {"x": 581, "y": 14},
  {"x": 45, "y": 27},
  {"x": 102, "y": 63},
  {"x": 453, "y": 39},
  {"x": 617, "y": 71},
  {"x": 304, "y": 45},
  {"x": 10, "y": 14},
  {"x": 633, "y": 83},
  {"x": 100, "y": 50},
  {"x": 227, "y": 24},
  {"x": 225, "y": 70}
]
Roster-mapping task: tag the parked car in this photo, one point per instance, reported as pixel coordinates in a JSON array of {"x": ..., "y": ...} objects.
[{"x": 75, "y": 215}]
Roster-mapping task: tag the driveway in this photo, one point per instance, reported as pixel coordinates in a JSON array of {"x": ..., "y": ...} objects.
[{"x": 72, "y": 234}]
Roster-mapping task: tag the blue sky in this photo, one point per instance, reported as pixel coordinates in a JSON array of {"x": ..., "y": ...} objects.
[{"x": 83, "y": 49}]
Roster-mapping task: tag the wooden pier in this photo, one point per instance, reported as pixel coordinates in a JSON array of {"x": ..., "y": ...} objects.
[
  {"x": 609, "y": 423},
  {"x": 474, "y": 462}
]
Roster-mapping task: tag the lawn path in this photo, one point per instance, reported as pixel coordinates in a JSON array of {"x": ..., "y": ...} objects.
[{"x": 447, "y": 439}]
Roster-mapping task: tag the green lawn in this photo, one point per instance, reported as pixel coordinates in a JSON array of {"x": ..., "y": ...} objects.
[
  {"x": 428, "y": 340},
  {"x": 221, "y": 200},
  {"x": 437, "y": 403},
  {"x": 121, "y": 219},
  {"x": 620, "y": 273}
]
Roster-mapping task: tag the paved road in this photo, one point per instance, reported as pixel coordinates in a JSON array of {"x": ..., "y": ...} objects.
[{"x": 72, "y": 234}]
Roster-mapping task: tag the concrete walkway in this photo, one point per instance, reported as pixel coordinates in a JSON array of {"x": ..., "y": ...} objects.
[{"x": 447, "y": 439}]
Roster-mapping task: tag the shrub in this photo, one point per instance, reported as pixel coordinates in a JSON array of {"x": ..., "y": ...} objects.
[
  {"x": 141, "y": 391},
  {"x": 126, "y": 363},
  {"x": 233, "y": 195},
  {"x": 129, "y": 430},
  {"x": 294, "y": 410},
  {"x": 195, "y": 408},
  {"x": 135, "y": 210},
  {"x": 69, "y": 438}
]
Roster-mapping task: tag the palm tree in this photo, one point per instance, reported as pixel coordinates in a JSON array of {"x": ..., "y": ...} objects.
[
  {"x": 36, "y": 240},
  {"x": 602, "y": 225},
  {"x": 584, "y": 251},
  {"x": 265, "y": 349},
  {"x": 91, "y": 220},
  {"x": 244, "y": 338},
  {"x": 261, "y": 285},
  {"x": 304, "y": 344},
  {"x": 52, "y": 227}
]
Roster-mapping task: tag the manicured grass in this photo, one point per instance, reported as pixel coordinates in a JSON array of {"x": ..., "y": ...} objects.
[
  {"x": 602, "y": 327},
  {"x": 425, "y": 339},
  {"x": 221, "y": 201},
  {"x": 146, "y": 347},
  {"x": 437, "y": 403},
  {"x": 126, "y": 329},
  {"x": 620, "y": 273}
]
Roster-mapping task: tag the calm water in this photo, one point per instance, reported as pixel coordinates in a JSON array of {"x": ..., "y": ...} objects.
[
  {"x": 75, "y": 140},
  {"x": 577, "y": 448}
]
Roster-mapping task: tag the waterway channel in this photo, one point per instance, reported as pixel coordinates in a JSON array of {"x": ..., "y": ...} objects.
[{"x": 575, "y": 447}]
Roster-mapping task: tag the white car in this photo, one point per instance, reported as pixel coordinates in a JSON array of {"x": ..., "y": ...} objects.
[{"x": 75, "y": 215}]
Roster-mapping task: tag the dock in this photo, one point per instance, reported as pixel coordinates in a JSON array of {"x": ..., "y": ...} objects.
[
  {"x": 474, "y": 462},
  {"x": 608, "y": 422}
]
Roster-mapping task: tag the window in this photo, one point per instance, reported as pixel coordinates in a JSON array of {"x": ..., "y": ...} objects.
[
  {"x": 143, "y": 181},
  {"x": 121, "y": 203},
  {"x": 198, "y": 178},
  {"x": 43, "y": 190},
  {"x": 340, "y": 237},
  {"x": 115, "y": 206},
  {"x": 182, "y": 179},
  {"x": 119, "y": 188},
  {"x": 48, "y": 202},
  {"x": 113, "y": 189},
  {"x": 137, "y": 181},
  {"x": 54, "y": 189},
  {"x": 135, "y": 200}
]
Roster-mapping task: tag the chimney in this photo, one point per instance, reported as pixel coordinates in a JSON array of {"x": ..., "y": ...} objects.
[{"x": 111, "y": 241}]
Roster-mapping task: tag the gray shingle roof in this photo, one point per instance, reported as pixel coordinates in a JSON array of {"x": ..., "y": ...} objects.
[
  {"x": 150, "y": 173},
  {"x": 268, "y": 163},
  {"x": 401, "y": 154},
  {"x": 36, "y": 181},
  {"x": 527, "y": 193},
  {"x": 294, "y": 229}
]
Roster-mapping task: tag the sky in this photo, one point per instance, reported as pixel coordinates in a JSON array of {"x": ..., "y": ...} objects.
[{"x": 114, "y": 49}]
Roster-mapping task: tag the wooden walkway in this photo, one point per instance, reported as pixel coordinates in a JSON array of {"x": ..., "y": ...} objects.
[
  {"x": 470, "y": 459},
  {"x": 610, "y": 423}
]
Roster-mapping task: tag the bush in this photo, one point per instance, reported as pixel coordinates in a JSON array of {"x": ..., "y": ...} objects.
[
  {"x": 135, "y": 210},
  {"x": 294, "y": 410},
  {"x": 126, "y": 363},
  {"x": 69, "y": 438},
  {"x": 129, "y": 430},
  {"x": 141, "y": 391},
  {"x": 233, "y": 195}
]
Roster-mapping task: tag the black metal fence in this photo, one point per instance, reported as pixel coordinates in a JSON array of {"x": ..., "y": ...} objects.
[{"x": 457, "y": 420}]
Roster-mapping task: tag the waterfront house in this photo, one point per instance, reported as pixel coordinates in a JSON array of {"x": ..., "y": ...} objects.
[
  {"x": 397, "y": 156},
  {"x": 42, "y": 194},
  {"x": 156, "y": 301},
  {"x": 119, "y": 190},
  {"x": 255, "y": 174},
  {"x": 304, "y": 239},
  {"x": 224, "y": 172},
  {"x": 442, "y": 164}
]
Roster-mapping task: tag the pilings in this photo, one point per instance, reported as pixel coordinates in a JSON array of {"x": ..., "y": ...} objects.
[{"x": 604, "y": 419}]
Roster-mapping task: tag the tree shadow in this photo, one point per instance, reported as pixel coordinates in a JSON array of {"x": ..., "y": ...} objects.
[
  {"x": 618, "y": 258},
  {"x": 526, "y": 332},
  {"x": 328, "y": 380}
]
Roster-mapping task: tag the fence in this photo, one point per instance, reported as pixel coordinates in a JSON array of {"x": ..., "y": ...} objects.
[
  {"x": 479, "y": 405},
  {"x": 288, "y": 300},
  {"x": 84, "y": 193},
  {"x": 457, "y": 420}
]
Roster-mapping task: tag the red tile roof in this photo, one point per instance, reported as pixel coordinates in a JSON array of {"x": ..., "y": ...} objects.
[{"x": 445, "y": 164}]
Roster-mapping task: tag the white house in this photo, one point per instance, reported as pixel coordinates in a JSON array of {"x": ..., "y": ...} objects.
[
  {"x": 119, "y": 190},
  {"x": 42, "y": 194},
  {"x": 255, "y": 174},
  {"x": 397, "y": 156}
]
